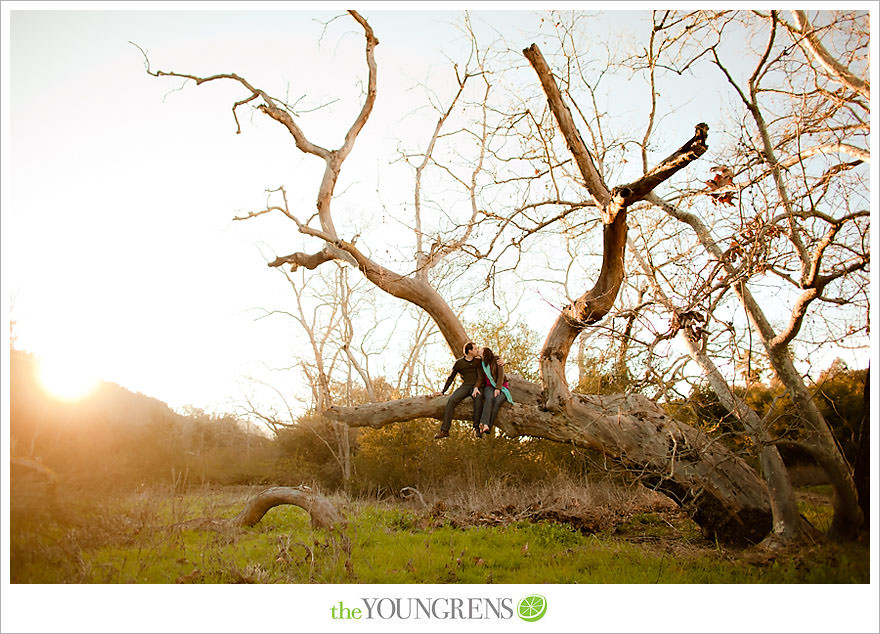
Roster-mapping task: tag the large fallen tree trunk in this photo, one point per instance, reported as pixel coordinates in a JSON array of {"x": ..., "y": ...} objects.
[{"x": 720, "y": 491}]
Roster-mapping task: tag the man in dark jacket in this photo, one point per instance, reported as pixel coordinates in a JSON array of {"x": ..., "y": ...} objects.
[{"x": 468, "y": 367}]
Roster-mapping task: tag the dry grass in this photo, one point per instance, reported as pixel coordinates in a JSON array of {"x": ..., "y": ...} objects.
[
  {"x": 560, "y": 493},
  {"x": 589, "y": 506}
]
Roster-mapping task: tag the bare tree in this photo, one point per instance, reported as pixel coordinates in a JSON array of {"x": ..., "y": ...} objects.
[
  {"x": 324, "y": 316},
  {"x": 787, "y": 523},
  {"x": 725, "y": 495},
  {"x": 800, "y": 220}
]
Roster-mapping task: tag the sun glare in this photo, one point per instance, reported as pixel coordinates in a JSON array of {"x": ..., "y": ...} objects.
[{"x": 66, "y": 379}]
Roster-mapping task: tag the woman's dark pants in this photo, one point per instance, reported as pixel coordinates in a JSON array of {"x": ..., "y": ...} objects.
[{"x": 489, "y": 405}]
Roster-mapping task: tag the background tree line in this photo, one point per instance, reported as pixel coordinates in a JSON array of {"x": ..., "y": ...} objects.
[{"x": 115, "y": 438}]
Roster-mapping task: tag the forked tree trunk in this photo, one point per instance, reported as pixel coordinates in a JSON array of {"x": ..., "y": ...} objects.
[
  {"x": 822, "y": 445},
  {"x": 723, "y": 494}
]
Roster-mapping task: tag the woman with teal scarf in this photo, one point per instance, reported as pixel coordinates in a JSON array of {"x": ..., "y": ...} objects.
[{"x": 491, "y": 391}]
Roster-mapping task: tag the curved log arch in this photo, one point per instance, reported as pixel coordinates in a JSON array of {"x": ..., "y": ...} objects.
[{"x": 322, "y": 513}]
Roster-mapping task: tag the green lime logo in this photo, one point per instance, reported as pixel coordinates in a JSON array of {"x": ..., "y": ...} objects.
[{"x": 532, "y": 607}]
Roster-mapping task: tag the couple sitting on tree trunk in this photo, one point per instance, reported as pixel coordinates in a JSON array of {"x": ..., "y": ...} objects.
[{"x": 482, "y": 378}]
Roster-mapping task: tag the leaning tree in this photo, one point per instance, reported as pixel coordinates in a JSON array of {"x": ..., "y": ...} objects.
[
  {"x": 722, "y": 493},
  {"x": 795, "y": 206}
]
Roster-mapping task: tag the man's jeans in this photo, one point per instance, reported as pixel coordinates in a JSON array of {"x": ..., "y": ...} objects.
[{"x": 455, "y": 398}]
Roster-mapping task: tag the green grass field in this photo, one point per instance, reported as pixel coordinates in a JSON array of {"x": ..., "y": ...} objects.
[{"x": 78, "y": 538}]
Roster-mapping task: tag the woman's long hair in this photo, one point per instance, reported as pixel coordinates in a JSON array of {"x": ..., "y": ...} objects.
[{"x": 491, "y": 362}]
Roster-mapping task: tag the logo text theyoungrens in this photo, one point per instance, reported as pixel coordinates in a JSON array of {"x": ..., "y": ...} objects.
[{"x": 439, "y": 608}]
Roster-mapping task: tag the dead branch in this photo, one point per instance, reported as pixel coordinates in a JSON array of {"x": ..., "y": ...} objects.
[
  {"x": 593, "y": 305},
  {"x": 593, "y": 181},
  {"x": 410, "y": 491},
  {"x": 310, "y": 261},
  {"x": 821, "y": 54}
]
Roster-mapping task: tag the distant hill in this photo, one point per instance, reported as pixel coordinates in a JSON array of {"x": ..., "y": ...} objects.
[
  {"x": 109, "y": 402},
  {"x": 105, "y": 435},
  {"x": 114, "y": 436}
]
